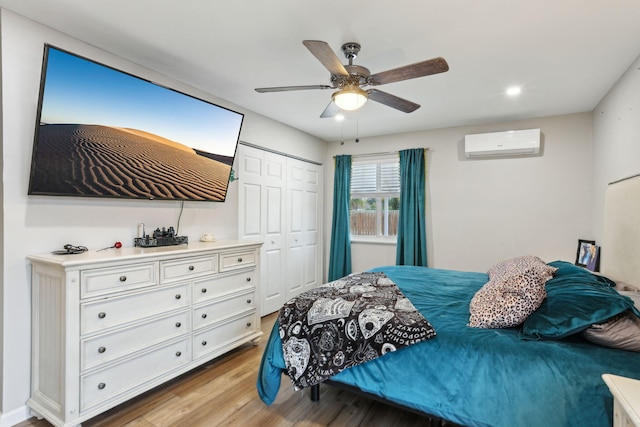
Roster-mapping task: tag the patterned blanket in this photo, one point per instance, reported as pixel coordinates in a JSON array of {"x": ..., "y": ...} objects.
[{"x": 344, "y": 323}]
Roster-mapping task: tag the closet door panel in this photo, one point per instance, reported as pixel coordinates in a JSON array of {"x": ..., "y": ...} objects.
[
  {"x": 251, "y": 219},
  {"x": 295, "y": 227},
  {"x": 273, "y": 185},
  {"x": 312, "y": 227},
  {"x": 273, "y": 296},
  {"x": 251, "y": 165}
]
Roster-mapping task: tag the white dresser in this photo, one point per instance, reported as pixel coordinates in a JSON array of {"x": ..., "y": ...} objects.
[
  {"x": 109, "y": 325},
  {"x": 626, "y": 400}
]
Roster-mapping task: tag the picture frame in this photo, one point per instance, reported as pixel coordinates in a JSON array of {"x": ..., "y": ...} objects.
[
  {"x": 585, "y": 253},
  {"x": 594, "y": 261}
]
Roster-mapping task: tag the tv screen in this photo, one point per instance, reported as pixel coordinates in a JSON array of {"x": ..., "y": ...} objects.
[{"x": 101, "y": 132}]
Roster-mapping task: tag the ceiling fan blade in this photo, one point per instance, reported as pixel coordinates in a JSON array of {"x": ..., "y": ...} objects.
[
  {"x": 420, "y": 69},
  {"x": 326, "y": 56},
  {"x": 331, "y": 110},
  {"x": 287, "y": 88},
  {"x": 392, "y": 101}
]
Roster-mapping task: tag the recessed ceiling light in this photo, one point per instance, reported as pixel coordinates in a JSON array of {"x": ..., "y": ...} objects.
[
  {"x": 514, "y": 91},
  {"x": 339, "y": 117}
]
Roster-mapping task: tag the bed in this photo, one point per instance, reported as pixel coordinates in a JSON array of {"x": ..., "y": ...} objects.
[{"x": 544, "y": 372}]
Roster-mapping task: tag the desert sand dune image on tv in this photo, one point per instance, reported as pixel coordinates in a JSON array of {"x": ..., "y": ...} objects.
[
  {"x": 102, "y": 132},
  {"x": 104, "y": 161}
]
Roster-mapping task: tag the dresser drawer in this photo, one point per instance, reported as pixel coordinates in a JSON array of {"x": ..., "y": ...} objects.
[
  {"x": 186, "y": 268},
  {"x": 210, "y": 340},
  {"x": 102, "y": 281},
  {"x": 115, "y": 311},
  {"x": 105, "y": 348},
  {"x": 213, "y": 287},
  {"x": 100, "y": 386},
  {"x": 223, "y": 308},
  {"x": 235, "y": 260}
]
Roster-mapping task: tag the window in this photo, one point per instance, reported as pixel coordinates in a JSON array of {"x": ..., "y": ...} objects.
[{"x": 375, "y": 196}]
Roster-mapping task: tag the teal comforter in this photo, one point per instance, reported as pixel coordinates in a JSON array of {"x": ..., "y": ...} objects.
[{"x": 478, "y": 377}]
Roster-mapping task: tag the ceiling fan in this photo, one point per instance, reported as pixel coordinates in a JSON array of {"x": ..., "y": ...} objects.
[{"x": 349, "y": 80}]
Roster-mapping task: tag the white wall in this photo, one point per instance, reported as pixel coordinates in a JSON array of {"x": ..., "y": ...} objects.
[
  {"x": 38, "y": 224},
  {"x": 484, "y": 210},
  {"x": 616, "y": 140}
]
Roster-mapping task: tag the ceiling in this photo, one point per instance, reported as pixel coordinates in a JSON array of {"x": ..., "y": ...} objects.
[{"x": 564, "y": 54}]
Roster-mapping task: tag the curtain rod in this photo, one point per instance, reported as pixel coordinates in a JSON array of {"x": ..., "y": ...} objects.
[{"x": 385, "y": 153}]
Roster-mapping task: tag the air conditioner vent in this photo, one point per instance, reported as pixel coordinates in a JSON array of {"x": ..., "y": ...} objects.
[{"x": 510, "y": 143}]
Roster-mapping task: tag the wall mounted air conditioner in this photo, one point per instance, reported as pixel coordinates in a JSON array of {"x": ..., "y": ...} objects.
[{"x": 510, "y": 143}]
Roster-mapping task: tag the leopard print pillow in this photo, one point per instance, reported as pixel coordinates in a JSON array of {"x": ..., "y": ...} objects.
[
  {"x": 505, "y": 302},
  {"x": 515, "y": 266}
]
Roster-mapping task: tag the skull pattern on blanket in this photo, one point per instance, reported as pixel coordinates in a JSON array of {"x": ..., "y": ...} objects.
[{"x": 344, "y": 323}]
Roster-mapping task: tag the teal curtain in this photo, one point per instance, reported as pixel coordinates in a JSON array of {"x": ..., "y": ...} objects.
[
  {"x": 340, "y": 254},
  {"x": 412, "y": 234}
]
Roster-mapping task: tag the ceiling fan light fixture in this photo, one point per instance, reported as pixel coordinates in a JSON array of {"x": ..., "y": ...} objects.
[{"x": 350, "y": 99}]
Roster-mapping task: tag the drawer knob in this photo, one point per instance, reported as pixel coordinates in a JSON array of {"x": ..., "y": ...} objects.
[
  {"x": 203, "y": 290},
  {"x": 239, "y": 259},
  {"x": 248, "y": 279},
  {"x": 102, "y": 315},
  {"x": 204, "y": 343},
  {"x": 249, "y": 301},
  {"x": 102, "y": 349},
  {"x": 178, "y": 296},
  {"x": 101, "y": 386},
  {"x": 178, "y": 353},
  {"x": 191, "y": 268},
  {"x": 178, "y": 324},
  {"x": 248, "y": 324},
  {"x": 204, "y": 315},
  {"x": 123, "y": 278}
]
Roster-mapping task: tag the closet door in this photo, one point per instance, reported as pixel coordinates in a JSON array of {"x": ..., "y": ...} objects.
[
  {"x": 279, "y": 204},
  {"x": 261, "y": 217},
  {"x": 303, "y": 221},
  {"x": 294, "y": 222},
  {"x": 312, "y": 236}
]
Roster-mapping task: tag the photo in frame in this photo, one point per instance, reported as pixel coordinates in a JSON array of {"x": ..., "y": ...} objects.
[
  {"x": 594, "y": 261},
  {"x": 587, "y": 253}
]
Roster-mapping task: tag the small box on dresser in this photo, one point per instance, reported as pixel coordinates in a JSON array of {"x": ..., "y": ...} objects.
[{"x": 108, "y": 326}]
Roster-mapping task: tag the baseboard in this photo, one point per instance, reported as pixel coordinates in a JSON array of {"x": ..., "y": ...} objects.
[{"x": 14, "y": 417}]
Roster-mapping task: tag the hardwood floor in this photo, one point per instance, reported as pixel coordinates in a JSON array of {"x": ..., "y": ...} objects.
[{"x": 223, "y": 393}]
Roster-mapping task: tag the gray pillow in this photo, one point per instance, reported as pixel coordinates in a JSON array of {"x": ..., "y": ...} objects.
[{"x": 621, "y": 331}]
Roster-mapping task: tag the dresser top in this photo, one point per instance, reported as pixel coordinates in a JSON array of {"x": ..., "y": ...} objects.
[
  {"x": 627, "y": 392},
  {"x": 138, "y": 254}
]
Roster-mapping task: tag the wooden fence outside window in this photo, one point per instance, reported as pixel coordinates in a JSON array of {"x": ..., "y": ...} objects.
[{"x": 363, "y": 223}]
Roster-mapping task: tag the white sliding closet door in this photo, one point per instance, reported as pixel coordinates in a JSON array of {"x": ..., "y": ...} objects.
[
  {"x": 303, "y": 186},
  {"x": 279, "y": 205},
  {"x": 261, "y": 217}
]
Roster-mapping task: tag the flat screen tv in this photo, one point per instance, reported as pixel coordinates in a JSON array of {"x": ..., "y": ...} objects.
[{"x": 102, "y": 132}]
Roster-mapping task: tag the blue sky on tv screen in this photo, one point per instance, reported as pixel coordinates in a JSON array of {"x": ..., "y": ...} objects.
[{"x": 79, "y": 91}]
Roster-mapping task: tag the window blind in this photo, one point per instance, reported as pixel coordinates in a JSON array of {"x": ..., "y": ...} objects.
[{"x": 375, "y": 176}]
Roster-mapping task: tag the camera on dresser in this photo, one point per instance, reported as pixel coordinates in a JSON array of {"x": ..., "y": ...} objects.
[{"x": 164, "y": 237}]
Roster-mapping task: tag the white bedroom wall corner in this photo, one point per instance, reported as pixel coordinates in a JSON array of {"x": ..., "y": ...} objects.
[
  {"x": 616, "y": 136},
  {"x": 10, "y": 415}
]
